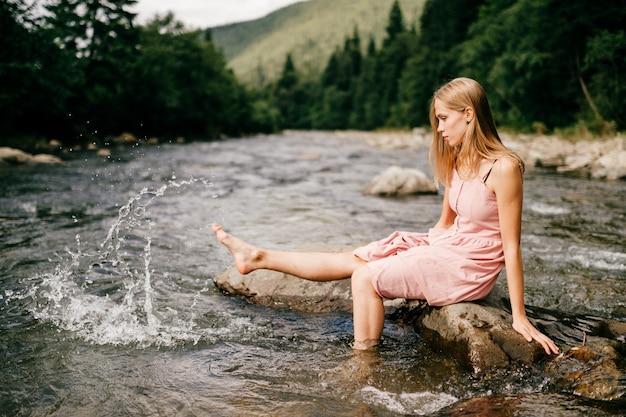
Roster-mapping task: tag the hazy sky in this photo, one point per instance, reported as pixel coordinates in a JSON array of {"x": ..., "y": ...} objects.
[{"x": 208, "y": 13}]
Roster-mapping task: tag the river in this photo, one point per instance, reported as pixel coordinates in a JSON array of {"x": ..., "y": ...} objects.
[{"x": 108, "y": 306}]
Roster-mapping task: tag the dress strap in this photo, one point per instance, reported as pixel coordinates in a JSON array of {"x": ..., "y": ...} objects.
[{"x": 489, "y": 172}]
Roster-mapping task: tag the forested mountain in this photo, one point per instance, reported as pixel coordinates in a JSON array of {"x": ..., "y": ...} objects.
[
  {"x": 309, "y": 31},
  {"x": 546, "y": 64}
]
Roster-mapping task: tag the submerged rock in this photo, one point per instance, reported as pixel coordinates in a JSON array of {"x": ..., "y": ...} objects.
[
  {"x": 593, "y": 370},
  {"x": 529, "y": 404}
]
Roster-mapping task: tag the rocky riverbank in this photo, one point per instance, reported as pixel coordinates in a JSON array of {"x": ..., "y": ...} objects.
[{"x": 598, "y": 158}]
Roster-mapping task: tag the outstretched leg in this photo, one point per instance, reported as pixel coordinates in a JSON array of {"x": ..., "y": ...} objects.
[
  {"x": 368, "y": 309},
  {"x": 315, "y": 266}
]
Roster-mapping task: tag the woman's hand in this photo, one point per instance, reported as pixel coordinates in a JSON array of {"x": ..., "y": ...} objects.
[{"x": 524, "y": 327}]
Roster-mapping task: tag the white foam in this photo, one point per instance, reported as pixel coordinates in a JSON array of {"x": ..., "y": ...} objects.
[
  {"x": 547, "y": 209},
  {"x": 417, "y": 403},
  {"x": 598, "y": 259}
]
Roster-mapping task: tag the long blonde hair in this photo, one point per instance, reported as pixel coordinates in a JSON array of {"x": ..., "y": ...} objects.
[{"x": 481, "y": 139}]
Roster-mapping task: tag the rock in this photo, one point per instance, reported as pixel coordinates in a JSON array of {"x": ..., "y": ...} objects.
[
  {"x": 396, "y": 181},
  {"x": 541, "y": 151},
  {"x": 594, "y": 370},
  {"x": 276, "y": 289},
  {"x": 611, "y": 166},
  {"x": 18, "y": 157},
  {"x": 14, "y": 156},
  {"x": 125, "y": 138},
  {"x": 600, "y": 159},
  {"x": 43, "y": 158},
  {"x": 479, "y": 337},
  {"x": 612, "y": 329},
  {"x": 545, "y": 404}
]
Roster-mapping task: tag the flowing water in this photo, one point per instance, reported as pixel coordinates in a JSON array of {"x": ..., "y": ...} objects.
[{"x": 108, "y": 307}]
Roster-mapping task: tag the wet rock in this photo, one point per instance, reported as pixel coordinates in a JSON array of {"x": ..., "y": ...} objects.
[
  {"x": 532, "y": 404},
  {"x": 18, "y": 157},
  {"x": 276, "y": 289},
  {"x": 594, "y": 370},
  {"x": 612, "y": 329},
  {"x": 397, "y": 181},
  {"x": 479, "y": 337}
]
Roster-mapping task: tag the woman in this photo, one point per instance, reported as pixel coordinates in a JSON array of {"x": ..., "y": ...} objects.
[{"x": 460, "y": 258}]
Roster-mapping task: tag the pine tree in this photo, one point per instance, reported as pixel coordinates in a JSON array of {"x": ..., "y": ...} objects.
[{"x": 395, "y": 24}]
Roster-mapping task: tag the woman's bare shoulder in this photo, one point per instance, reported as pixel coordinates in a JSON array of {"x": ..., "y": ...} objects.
[
  {"x": 506, "y": 176},
  {"x": 507, "y": 166}
]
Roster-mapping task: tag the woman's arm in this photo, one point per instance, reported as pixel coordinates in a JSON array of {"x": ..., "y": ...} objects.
[
  {"x": 447, "y": 214},
  {"x": 506, "y": 182}
]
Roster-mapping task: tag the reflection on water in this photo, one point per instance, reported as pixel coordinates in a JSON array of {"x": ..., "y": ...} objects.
[{"x": 107, "y": 302}]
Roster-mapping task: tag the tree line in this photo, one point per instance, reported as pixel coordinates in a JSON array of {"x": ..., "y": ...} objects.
[
  {"x": 82, "y": 71},
  {"x": 546, "y": 65}
]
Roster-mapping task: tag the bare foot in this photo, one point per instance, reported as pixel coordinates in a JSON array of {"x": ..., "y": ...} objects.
[{"x": 247, "y": 257}]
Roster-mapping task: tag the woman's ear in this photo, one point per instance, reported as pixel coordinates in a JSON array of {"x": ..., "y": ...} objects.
[{"x": 469, "y": 114}]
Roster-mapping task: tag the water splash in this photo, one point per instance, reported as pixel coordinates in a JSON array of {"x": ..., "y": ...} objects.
[{"x": 107, "y": 297}]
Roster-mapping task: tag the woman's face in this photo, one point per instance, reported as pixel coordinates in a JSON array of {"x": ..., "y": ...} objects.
[{"x": 450, "y": 123}]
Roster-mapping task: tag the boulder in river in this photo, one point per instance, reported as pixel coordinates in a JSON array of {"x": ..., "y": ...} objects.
[
  {"x": 397, "y": 181},
  {"x": 479, "y": 337}
]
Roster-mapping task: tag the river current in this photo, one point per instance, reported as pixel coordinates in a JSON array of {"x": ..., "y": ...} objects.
[{"x": 108, "y": 306}]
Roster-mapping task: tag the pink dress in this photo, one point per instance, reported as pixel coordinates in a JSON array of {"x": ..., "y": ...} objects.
[{"x": 443, "y": 266}]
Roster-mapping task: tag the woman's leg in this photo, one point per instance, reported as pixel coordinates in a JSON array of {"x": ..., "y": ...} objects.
[
  {"x": 307, "y": 265},
  {"x": 368, "y": 310}
]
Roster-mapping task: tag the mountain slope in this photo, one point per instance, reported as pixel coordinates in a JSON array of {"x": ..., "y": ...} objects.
[{"x": 309, "y": 31}]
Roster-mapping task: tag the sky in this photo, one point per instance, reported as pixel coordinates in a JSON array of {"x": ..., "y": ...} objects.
[{"x": 201, "y": 14}]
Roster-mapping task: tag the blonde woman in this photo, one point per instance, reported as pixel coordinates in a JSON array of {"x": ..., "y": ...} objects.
[{"x": 460, "y": 258}]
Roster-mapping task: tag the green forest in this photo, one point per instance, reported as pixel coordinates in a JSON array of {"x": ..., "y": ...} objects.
[{"x": 83, "y": 71}]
